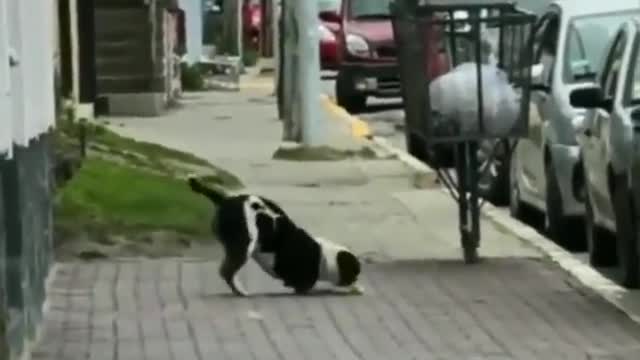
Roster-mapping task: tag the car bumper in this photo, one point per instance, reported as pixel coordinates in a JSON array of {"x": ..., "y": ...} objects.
[
  {"x": 378, "y": 80},
  {"x": 565, "y": 161},
  {"x": 329, "y": 55}
]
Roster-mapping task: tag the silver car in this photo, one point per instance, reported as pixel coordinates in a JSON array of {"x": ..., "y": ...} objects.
[
  {"x": 610, "y": 148},
  {"x": 568, "y": 42}
]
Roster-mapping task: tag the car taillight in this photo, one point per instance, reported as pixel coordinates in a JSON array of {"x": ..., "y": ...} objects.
[{"x": 256, "y": 18}]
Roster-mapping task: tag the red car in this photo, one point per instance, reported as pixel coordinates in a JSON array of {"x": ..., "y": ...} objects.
[
  {"x": 251, "y": 22},
  {"x": 329, "y": 14},
  {"x": 368, "y": 65}
]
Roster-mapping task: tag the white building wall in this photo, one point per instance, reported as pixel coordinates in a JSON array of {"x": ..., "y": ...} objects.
[
  {"x": 193, "y": 18},
  {"x": 32, "y": 92},
  {"x": 6, "y": 132}
]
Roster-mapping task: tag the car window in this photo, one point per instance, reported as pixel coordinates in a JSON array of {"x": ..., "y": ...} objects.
[
  {"x": 370, "y": 8},
  {"x": 633, "y": 88},
  {"x": 587, "y": 40},
  {"x": 545, "y": 44},
  {"x": 614, "y": 62}
]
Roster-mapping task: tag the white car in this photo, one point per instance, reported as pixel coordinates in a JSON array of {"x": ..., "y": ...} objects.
[
  {"x": 610, "y": 147},
  {"x": 569, "y": 39}
]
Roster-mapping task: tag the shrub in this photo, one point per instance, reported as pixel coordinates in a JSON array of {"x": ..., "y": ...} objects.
[{"x": 191, "y": 77}]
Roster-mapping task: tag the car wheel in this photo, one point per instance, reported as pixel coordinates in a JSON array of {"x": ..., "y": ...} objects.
[
  {"x": 346, "y": 97},
  {"x": 626, "y": 234},
  {"x": 516, "y": 207},
  {"x": 494, "y": 172},
  {"x": 600, "y": 244},
  {"x": 416, "y": 147},
  {"x": 559, "y": 227}
]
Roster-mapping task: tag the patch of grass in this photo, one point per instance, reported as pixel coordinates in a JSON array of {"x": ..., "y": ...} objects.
[
  {"x": 322, "y": 153},
  {"x": 141, "y": 154},
  {"x": 191, "y": 77},
  {"x": 124, "y": 199}
]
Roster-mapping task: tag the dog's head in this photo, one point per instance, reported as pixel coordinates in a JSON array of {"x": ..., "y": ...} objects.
[{"x": 348, "y": 268}]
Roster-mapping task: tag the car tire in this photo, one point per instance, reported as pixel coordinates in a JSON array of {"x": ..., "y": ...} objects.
[
  {"x": 517, "y": 208},
  {"x": 626, "y": 235},
  {"x": 600, "y": 244},
  {"x": 559, "y": 228},
  {"x": 346, "y": 97},
  {"x": 494, "y": 182}
]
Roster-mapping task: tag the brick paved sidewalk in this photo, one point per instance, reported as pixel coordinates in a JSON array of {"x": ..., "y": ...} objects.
[{"x": 171, "y": 309}]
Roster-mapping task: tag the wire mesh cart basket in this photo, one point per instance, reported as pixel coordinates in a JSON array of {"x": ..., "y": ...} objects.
[{"x": 465, "y": 71}]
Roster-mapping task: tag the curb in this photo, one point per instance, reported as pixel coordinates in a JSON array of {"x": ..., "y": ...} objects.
[
  {"x": 423, "y": 176},
  {"x": 587, "y": 276}
]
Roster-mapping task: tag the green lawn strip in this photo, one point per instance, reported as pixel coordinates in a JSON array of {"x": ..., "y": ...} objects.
[
  {"x": 106, "y": 200},
  {"x": 127, "y": 198},
  {"x": 144, "y": 154}
]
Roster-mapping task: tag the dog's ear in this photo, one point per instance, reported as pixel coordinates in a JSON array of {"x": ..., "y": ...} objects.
[{"x": 348, "y": 267}]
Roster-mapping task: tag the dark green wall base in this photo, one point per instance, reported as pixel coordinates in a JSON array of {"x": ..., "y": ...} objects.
[{"x": 26, "y": 194}]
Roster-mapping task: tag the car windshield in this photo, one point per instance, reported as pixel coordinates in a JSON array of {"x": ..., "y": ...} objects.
[
  {"x": 587, "y": 41},
  {"x": 370, "y": 8},
  {"x": 635, "y": 86},
  {"x": 328, "y": 5}
]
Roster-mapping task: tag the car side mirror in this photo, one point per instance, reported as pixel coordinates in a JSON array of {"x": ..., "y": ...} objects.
[
  {"x": 330, "y": 16},
  {"x": 588, "y": 98}
]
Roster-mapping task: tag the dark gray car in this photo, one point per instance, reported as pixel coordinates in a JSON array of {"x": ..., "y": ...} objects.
[{"x": 610, "y": 147}]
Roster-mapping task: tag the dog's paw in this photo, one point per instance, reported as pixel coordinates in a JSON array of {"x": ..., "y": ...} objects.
[{"x": 356, "y": 289}]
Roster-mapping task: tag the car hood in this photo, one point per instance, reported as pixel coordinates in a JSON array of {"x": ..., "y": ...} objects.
[
  {"x": 331, "y": 26},
  {"x": 373, "y": 30}
]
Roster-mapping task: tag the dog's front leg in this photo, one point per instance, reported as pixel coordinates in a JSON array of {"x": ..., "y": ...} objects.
[{"x": 229, "y": 271}]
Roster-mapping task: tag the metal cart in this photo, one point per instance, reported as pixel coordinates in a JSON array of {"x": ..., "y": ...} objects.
[{"x": 459, "y": 30}]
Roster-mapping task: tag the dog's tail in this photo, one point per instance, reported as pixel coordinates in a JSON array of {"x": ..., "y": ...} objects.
[{"x": 215, "y": 194}]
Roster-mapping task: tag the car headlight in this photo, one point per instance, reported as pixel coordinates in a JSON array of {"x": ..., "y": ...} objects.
[
  {"x": 325, "y": 34},
  {"x": 357, "y": 45}
]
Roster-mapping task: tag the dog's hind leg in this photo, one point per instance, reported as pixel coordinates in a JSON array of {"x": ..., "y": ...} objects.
[{"x": 230, "y": 269}]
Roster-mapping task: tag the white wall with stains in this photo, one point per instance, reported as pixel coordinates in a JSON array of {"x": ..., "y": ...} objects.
[{"x": 27, "y": 105}]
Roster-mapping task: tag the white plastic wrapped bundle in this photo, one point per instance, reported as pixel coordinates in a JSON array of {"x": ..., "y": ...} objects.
[{"x": 455, "y": 97}]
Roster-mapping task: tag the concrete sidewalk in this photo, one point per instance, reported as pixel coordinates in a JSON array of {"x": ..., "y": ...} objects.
[{"x": 420, "y": 301}]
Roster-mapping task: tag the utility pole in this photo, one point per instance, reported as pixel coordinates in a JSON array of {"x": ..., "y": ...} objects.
[
  {"x": 308, "y": 74},
  {"x": 275, "y": 37}
]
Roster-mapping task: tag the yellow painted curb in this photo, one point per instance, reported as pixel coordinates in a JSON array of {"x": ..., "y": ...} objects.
[{"x": 359, "y": 127}]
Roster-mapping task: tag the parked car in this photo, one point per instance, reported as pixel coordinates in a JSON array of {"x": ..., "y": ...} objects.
[
  {"x": 610, "y": 147},
  {"x": 568, "y": 40},
  {"x": 329, "y": 14},
  {"x": 367, "y": 54},
  {"x": 252, "y": 22}
]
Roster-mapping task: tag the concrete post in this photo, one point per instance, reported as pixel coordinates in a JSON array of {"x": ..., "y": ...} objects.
[
  {"x": 308, "y": 74},
  {"x": 275, "y": 37},
  {"x": 239, "y": 32}
]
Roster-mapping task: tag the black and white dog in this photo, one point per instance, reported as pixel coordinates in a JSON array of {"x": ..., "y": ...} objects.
[{"x": 251, "y": 226}]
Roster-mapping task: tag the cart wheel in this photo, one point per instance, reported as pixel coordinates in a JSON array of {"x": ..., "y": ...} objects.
[
  {"x": 558, "y": 226},
  {"x": 600, "y": 244},
  {"x": 627, "y": 234},
  {"x": 346, "y": 97}
]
